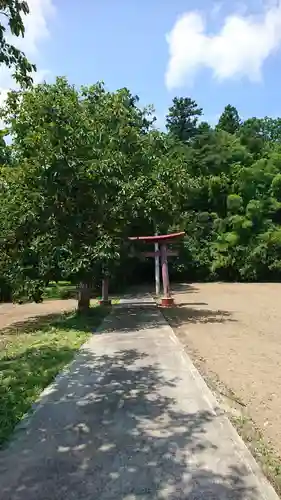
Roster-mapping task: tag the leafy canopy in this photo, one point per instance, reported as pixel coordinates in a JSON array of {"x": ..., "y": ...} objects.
[
  {"x": 12, "y": 12},
  {"x": 93, "y": 166}
]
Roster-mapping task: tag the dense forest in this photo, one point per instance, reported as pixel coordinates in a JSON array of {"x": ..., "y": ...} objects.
[{"x": 86, "y": 168}]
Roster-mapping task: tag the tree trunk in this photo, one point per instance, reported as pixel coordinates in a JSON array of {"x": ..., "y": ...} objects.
[{"x": 84, "y": 297}]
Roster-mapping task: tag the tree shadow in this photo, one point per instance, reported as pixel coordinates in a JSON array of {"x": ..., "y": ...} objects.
[
  {"x": 29, "y": 325},
  {"x": 182, "y": 288},
  {"x": 125, "y": 317},
  {"x": 67, "y": 320},
  {"x": 38, "y": 349},
  {"x": 23, "y": 378},
  {"x": 114, "y": 430},
  {"x": 182, "y": 314}
]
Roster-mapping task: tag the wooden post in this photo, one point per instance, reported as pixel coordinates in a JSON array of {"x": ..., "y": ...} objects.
[
  {"x": 105, "y": 300},
  {"x": 167, "y": 299},
  {"x": 84, "y": 297}
]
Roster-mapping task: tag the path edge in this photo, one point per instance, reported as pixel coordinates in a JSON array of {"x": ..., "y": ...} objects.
[
  {"x": 240, "y": 446},
  {"x": 23, "y": 424}
]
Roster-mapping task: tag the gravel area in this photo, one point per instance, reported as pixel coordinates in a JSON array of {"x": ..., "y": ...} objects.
[{"x": 234, "y": 329}]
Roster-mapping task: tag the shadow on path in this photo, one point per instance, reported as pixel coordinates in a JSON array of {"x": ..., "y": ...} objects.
[
  {"x": 125, "y": 317},
  {"x": 112, "y": 431}
]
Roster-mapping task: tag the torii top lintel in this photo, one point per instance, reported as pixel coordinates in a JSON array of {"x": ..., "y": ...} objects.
[{"x": 163, "y": 238}]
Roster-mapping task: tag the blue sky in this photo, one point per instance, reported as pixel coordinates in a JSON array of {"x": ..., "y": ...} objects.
[{"x": 215, "y": 52}]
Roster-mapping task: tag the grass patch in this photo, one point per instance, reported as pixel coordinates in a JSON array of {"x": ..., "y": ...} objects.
[
  {"x": 34, "y": 353},
  {"x": 61, "y": 290},
  {"x": 261, "y": 450}
]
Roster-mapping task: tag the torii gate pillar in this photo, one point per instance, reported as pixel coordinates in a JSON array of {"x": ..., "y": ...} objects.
[{"x": 167, "y": 300}]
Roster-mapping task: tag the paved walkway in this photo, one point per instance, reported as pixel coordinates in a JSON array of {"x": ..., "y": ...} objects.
[{"x": 130, "y": 420}]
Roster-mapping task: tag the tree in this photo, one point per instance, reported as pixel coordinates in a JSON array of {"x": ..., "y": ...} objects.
[
  {"x": 203, "y": 128},
  {"x": 251, "y": 135},
  {"x": 270, "y": 129},
  {"x": 182, "y": 119},
  {"x": 229, "y": 120},
  {"x": 93, "y": 167},
  {"x": 214, "y": 152}
]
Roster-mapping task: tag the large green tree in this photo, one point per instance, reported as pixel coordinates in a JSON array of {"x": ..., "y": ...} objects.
[{"x": 93, "y": 166}]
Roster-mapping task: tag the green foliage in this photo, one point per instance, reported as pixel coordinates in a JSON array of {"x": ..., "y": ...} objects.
[
  {"x": 234, "y": 203},
  {"x": 229, "y": 120},
  {"x": 260, "y": 134},
  {"x": 5, "y": 151},
  {"x": 13, "y": 12},
  {"x": 88, "y": 166},
  {"x": 89, "y": 170},
  {"x": 235, "y": 179},
  {"x": 276, "y": 187},
  {"x": 182, "y": 118}
]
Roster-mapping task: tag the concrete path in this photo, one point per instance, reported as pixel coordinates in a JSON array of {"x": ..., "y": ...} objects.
[{"x": 130, "y": 420}]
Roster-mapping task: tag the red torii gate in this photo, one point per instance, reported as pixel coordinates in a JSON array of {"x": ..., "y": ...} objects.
[{"x": 162, "y": 240}]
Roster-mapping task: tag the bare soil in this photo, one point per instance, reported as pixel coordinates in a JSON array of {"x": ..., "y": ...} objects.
[
  {"x": 233, "y": 333},
  {"x": 17, "y": 314}
]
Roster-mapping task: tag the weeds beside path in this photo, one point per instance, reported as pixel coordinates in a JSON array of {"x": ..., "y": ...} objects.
[{"x": 32, "y": 354}]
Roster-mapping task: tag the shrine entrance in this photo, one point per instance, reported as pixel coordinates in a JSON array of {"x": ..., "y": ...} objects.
[{"x": 162, "y": 252}]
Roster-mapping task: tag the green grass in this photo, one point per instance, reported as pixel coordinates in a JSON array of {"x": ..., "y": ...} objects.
[
  {"x": 263, "y": 452},
  {"x": 60, "y": 290},
  {"x": 31, "y": 356}
]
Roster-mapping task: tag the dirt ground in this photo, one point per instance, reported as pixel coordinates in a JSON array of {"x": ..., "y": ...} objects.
[
  {"x": 234, "y": 330},
  {"x": 11, "y": 314}
]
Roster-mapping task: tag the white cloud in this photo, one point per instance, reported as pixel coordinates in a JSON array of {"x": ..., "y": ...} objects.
[
  {"x": 239, "y": 49},
  {"x": 36, "y": 25},
  {"x": 36, "y": 31}
]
